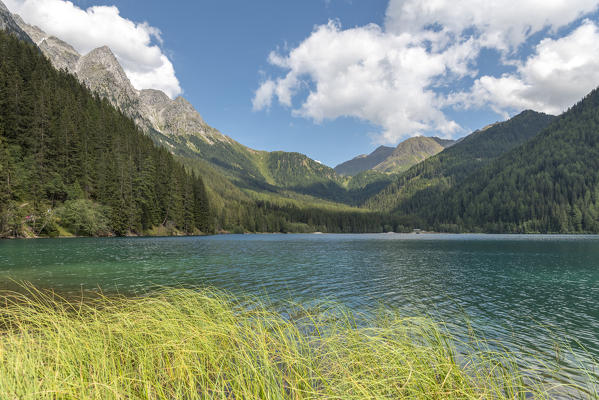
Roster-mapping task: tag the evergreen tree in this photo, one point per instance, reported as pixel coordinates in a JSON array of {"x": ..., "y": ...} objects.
[{"x": 63, "y": 149}]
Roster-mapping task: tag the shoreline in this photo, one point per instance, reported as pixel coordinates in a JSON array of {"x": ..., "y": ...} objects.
[{"x": 225, "y": 233}]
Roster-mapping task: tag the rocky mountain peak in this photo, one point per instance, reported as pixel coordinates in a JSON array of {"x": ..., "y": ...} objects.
[
  {"x": 364, "y": 162},
  {"x": 186, "y": 106},
  {"x": 410, "y": 152},
  {"x": 104, "y": 52},
  {"x": 382, "y": 150},
  {"x": 101, "y": 71},
  {"x": 182, "y": 100},
  {"x": 103, "y": 60},
  {"x": 154, "y": 98},
  {"x": 177, "y": 117}
]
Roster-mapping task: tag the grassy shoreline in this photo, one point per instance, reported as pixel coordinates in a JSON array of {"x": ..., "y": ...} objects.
[{"x": 184, "y": 344}]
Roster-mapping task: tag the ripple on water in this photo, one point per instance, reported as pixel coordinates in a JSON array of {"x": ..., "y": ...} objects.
[{"x": 523, "y": 291}]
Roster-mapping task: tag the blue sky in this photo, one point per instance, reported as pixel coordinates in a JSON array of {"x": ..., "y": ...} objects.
[
  {"x": 336, "y": 78},
  {"x": 219, "y": 49}
]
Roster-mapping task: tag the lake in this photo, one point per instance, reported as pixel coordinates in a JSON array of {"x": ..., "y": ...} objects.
[{"x": 522, "y": 291}]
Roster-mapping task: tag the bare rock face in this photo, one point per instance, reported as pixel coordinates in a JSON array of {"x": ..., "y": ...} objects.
[
  {"x": 177, "y": 117},
  {"x": 64, "y": 56},
  {"x": 100, "y": 71},
  {"x": 61, "y": 54},
  {"x": 8, "y": 24}
]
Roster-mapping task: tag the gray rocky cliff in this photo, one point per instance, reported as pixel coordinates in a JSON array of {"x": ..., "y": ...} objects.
[
  {"x": 100, "y": 70},
  {"x": 8, "y": 24},
  {"x": 64, "y": 56}
]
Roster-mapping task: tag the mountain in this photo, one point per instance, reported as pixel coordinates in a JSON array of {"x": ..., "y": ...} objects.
[
  {"x": 69, "y": 160},
  {"x": 364, "y": 162},
  {"x": 394, "y": 160},
  {"x": 411, "y": 152},
  {"x": 550, "y": 184},
  {"x": 176, "y": 125},
  {"x": 152, "y": 110},
  {"x": 8, "y": 24},
  {"x": 245, "y": 187},
  {"x": 429, "y": 180}
]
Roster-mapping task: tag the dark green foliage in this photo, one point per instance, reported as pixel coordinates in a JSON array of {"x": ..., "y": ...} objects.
[
  {"x": 59, "y": 143},
  {"x": 428, "y": 181},
  {"x": 84, "y": 218},
  {"x": 271, "y": 217},
  {"x": 550, "y": 184},
  {"x": 296, "y": 170}
]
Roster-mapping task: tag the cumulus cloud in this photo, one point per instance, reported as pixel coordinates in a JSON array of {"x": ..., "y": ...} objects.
[
  {"x": 559, "y": 72},
  {"x": 134, "y": 44},
  {"x": 398, "y": 76},
  {"x": 366, "y": 73},
  {"x": 263, "y": 97},
  {"x": 500, "y": 24}
]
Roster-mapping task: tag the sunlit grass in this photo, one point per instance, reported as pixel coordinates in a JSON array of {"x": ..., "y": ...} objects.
[{"x": 184, "y": 344}]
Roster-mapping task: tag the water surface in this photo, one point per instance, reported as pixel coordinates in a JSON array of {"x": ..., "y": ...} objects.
[{"x": 523, "y": 291}]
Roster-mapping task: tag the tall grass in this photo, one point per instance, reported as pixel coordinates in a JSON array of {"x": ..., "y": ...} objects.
[{"x": 184, "y": 344}]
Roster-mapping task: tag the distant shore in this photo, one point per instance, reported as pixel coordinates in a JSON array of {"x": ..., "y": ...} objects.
[{"x": 283, "y": 233}]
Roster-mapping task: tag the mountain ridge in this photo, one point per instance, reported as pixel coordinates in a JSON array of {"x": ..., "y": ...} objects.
[
  {"x": 433, "y": 176},
  {"x": 364, "y": 162},
  {"x": 100, "y": 70},
  {"x": 176, "y": 125},
  {"x": 550, "y": 184},
  {"x": 395, "y": 159},
  {"x": 10, "y": 25},
  {"x": 411, "y": 152}
]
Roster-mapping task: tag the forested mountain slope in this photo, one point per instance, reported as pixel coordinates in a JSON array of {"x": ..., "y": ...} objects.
[
  {"x": 429, "y": 180},
  {"x": 176, "y": 125},
  {"x": 173, "y": 123},
  {"x": 550, "y": 184},
  {"x": 70, "y": 160}
]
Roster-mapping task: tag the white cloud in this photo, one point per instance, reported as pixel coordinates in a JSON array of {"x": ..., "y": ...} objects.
[
  {"x": 501, "y": 24},
  {"x": 132, "y": 43},
  {"x": 393, "y": 76},
  {"x": 263, "y": 96},
  {"x": 559, "y": 73},
  {"x": 366, "y": 73}
]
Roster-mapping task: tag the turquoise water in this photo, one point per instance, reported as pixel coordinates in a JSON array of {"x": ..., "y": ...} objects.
[{"x": 523, "y": 291}]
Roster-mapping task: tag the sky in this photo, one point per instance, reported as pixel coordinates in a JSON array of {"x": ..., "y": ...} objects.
[{"x": 336, "y": 78}]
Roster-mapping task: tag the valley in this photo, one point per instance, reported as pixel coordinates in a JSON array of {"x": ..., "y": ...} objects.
[
  {"x": 147, "y": 252},
  {"x": 400, "y": 188}
]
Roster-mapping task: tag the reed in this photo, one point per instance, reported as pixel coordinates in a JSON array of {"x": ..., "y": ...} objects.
[{"x": 198, "y": 344}]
